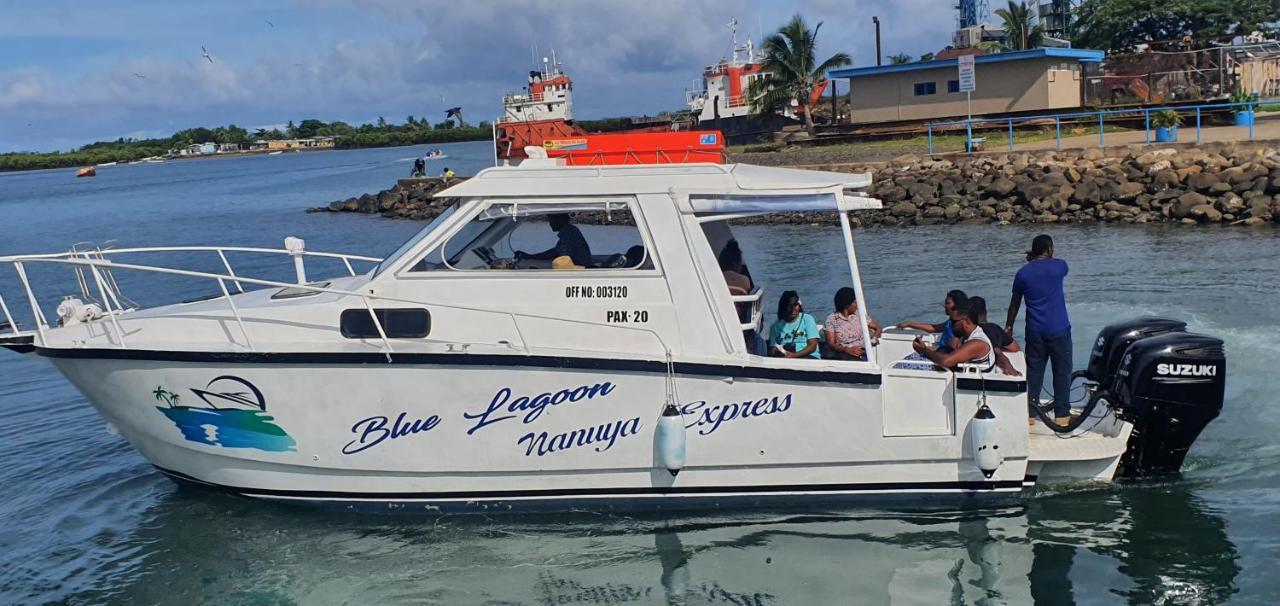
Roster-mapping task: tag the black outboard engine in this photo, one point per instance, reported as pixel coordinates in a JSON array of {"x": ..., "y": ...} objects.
[{"x": 1168, "y": 383}]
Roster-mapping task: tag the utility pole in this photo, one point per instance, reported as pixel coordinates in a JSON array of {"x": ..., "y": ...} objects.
[{"x": 876, "y": 20}]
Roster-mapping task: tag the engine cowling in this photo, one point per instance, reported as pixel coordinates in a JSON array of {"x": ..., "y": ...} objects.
[
  {"x": 1170, "y": 387},
  {"x": 1113, "y": 340}
]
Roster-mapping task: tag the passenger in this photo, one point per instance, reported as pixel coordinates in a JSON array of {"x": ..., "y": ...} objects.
[
  {"x": 736, "y": 274},
  {"x": 844, "y": 330},
  {"x": 794, "y": 334},
  {"x": 1002, "y": 341},
  {"x": 974, "y": 348},
  {"x": 948, "y": 340},
  {"x": 635, "y": 256},
  {"x": 730, "y": 264},
  {"x": 569, "y": 243},
  {"x": 448, "y": 173},
  {"x": 419, "y": 168}
]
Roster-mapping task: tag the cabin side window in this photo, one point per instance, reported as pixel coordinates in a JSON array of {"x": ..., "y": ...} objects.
[
  {"x": 397, "y": 323},
  {"x": 585, "y": 235}
]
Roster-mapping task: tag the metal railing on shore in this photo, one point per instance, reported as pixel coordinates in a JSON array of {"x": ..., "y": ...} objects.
[{"x": 985, "y": 127}]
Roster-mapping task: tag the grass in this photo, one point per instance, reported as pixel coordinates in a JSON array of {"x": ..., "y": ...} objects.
[{"x": 996, "y": 140}]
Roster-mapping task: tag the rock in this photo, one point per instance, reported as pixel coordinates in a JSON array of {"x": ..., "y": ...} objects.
[
  {"x": 1092, "y": 154},
  {"x": 1206, "y": 212},
  {"x": 1165, "y": 179},
  {"x": 1001, "y": 187},
  {"x": 1127, "y": 190},
  {"x": 1186, "y": 202},
  {"x": 906, "y": 161},
  {"x": 903, "y": 209}
]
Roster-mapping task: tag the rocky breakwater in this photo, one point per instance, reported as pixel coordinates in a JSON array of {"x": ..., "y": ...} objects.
[
  {"x": 1192, "y": 186},
  {"x": 407, "y": 199},
  {"x": 1210, "y": 185}
]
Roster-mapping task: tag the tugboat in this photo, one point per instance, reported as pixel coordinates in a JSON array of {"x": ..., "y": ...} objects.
[{"x": 463, "y": 373}]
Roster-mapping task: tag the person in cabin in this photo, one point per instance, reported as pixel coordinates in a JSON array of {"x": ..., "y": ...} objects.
[
  {"x": 794, "y": 334},
  {"x": 731, "y": 262},
  {"x": 844, "y": 330},
  {"x": 569, "y": 242},
  {"x": 1047, "y": 329},
  {"x": 999, "y": 338},
  {"x": 635, "y": 256},
  {"x": 731, "y": 266},
  {"x": 948, "y": 340},
  {"x": 974, "y": 348}
]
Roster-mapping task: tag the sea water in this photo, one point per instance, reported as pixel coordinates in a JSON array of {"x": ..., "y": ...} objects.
[{"x": 84, "y": 519}]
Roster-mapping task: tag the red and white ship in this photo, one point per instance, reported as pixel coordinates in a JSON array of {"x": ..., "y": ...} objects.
[
  {"x": 541, "y": 118},
  {"x": 720, "y": 100}
]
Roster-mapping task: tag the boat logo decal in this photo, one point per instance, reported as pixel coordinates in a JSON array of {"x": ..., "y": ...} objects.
[
  {"x": 565, "y": 144},
  {"x": 233, "y": 414},
  {"x": 707, "y": 139}
]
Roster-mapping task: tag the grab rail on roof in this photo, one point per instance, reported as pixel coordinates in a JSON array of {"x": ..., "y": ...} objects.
[{"x": 97, "y": 267}]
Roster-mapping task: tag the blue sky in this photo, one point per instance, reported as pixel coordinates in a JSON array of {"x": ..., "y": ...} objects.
[{"x": 76, "y": 72}]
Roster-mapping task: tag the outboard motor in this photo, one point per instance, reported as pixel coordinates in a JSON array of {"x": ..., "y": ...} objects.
[
  {"x": 1170, "y": 387},
  {"x": 1165, "y": 381},
  {"x": 1113, "y": 340}
]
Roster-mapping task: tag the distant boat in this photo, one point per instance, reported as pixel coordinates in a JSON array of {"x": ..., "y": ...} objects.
[
  {"x": 106, "y": 164},
  {"x": 436, "y": 155},
  {"x": 275, "y": 153},
  {"x": 87, "y": 171}
]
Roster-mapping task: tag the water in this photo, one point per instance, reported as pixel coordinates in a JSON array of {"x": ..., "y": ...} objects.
[{"x": 85, "y": 520}]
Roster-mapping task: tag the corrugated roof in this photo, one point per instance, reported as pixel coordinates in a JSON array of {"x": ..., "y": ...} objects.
[{"x": 1079, "y": 54}]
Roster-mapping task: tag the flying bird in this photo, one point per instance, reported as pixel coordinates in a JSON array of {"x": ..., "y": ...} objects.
[
  {"x": 205, "y": 52},
  {"x": 137, "y": 75},
  {"x": 270, "y": 23}
]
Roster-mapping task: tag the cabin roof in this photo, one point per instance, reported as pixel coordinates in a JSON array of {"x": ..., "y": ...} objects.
[{"x": 718, "y": 179}]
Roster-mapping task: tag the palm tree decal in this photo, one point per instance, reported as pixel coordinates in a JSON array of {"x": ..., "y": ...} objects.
[
  {"x": 792, "y": 71},
  {"x": 163, "y": 395}
]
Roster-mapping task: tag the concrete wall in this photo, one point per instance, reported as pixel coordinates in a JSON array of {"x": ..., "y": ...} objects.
[{"x": 1006, "y": 86}]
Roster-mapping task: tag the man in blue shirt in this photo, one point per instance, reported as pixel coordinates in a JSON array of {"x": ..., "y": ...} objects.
[{"x": 1048, "y": 331}]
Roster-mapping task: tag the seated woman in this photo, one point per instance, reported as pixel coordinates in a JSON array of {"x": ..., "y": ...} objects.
[
  {"x": 844, "y": 330},
  {"x": 794, "y": 334}
]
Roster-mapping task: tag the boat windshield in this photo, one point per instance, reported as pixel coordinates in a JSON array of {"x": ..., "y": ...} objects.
[{"x": 413, "y": 242}]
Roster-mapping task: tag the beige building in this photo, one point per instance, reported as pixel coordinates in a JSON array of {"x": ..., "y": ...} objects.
[{"x": 1038, "y": 80}]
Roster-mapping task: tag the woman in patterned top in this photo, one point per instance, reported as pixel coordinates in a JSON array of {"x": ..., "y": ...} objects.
[{"x": 844, "y": 330}]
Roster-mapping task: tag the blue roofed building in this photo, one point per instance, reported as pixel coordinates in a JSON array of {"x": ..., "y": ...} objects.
[{"x": 1030, "y": 81}]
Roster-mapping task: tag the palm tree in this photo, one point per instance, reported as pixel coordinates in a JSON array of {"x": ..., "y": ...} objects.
[
  {"x": 899, "y": 59},
  {"x": 1020, "y": 27},
  {"x": 791, "y": 70}
]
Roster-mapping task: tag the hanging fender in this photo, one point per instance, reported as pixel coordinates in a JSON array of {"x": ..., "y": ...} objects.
[
  {"x": 670, "y": 437},
  {"x": 982, "y": 437}
]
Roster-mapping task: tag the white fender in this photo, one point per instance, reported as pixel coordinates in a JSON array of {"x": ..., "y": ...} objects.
[
  {"x": 982, "y": 435},
  {"x": 671, "y": 439}
]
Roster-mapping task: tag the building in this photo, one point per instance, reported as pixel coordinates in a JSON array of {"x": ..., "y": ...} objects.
[
  {"x": 312, "y": 143},
  {"x": 199, "y": 149},
  {"x": 1038, "y": 80},
  {"x": 224, "y": 148}
]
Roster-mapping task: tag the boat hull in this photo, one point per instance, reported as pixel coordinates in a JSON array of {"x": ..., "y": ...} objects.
[{"x": 549, "y": 434}]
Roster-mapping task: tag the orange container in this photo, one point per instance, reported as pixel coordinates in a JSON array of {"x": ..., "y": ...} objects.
[{"x": 676, "y": 147}]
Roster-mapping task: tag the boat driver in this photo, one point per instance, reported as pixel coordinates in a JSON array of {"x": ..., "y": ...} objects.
[
  {"x": 569, "y": 243},
  {"x": 975, "y": 347}
]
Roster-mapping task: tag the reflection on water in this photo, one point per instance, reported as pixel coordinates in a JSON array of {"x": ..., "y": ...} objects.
[{"x": 1084, "y": 547}]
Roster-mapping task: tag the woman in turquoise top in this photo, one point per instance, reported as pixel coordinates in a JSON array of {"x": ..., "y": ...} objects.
[{"x": 794, "y": 334}]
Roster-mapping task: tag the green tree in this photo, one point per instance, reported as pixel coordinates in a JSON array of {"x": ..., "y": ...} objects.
[
  {"x": 382, "y": 122},
  {"x": 791, "y": 70},
  {"x": 899, "y": 59},
  {"x": 1121, "y": 25},
  {"x": 926, "y": 57},
  {"x": 308, "y": 128},
  {"x": 1020, "y": 27},
  {"x": 291, "y": 130}
]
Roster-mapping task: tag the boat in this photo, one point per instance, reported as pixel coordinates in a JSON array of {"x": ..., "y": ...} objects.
[
  {"x": 87, "y": 171},
  {"x": 275, "y": 153},
  {"x": 106, "y": 164},
  {"x": 435, "y": 154},
  {"x": 457, "y": 375},
  {"x": 719, "y": 100}
]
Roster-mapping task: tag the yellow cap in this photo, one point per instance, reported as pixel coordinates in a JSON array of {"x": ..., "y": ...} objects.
[{"x": 564, "y": 262}]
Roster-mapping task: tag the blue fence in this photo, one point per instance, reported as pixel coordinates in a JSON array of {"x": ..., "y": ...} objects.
[{"x": 1245, "y": 117}]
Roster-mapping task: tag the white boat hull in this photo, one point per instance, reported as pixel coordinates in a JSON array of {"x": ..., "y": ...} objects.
[{"x": 534, "y": 432}]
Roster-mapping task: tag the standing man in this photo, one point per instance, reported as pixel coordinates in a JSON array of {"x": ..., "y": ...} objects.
[{"x": 1048, "y": 331}]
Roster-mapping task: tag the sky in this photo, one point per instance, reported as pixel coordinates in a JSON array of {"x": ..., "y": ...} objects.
[{"x": 76, "y": 72}]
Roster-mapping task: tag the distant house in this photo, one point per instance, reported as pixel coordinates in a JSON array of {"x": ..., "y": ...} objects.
[
  {"x": 260, "y": 144},
  {"x": 311, "y": 143},
  {"x": 1037, "y": 80},
  {"x": 199, "y": 149},
  {"x": 228, "y": 147}
]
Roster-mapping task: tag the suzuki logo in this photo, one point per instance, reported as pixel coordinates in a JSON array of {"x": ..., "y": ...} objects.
[{"x": 1187, "y": 370}]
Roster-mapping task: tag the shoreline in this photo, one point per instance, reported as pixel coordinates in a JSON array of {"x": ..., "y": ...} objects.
[{"x": 1213, "y": 184}]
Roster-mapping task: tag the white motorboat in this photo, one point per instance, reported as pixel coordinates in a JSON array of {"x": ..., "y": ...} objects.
[{"x": 455, "y": 374}]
